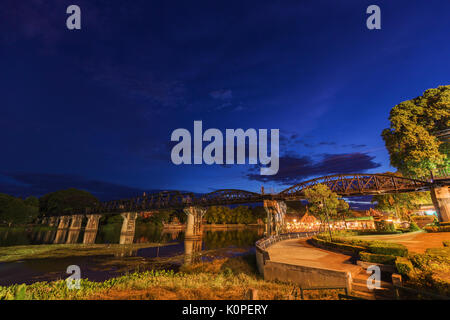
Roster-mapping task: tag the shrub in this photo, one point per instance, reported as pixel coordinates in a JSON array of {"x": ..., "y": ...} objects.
[
  {"x": 413, "y": 227},
  {"x": 370, "y": 232},
  {"x": 403, "y": 265},
  {"x": 384, "y": 226},
  {"x": 352, "y": 242},
  {"x": 440, "y": 228},
  {"x": 387, "y": 248},
  {"x": 377, "y": 258},
  {"x": 338, "y": 246}
]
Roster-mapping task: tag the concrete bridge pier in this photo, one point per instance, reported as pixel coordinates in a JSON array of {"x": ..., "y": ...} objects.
[
  {"x": 48, "y": 236},
  {"x": 194, "y": 227},
  {"x": 61, "y": 233},
  {"x": 276, "y": 211},
  {"x": 128, "y": 227},
  {"x": 90, "y": 233},
  {"x": 53, "y": 221},
  {"x": 75, "y": 228},
  {"x": 441, "y": 202}
]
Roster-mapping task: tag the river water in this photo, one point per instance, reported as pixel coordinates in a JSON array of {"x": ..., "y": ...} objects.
[{"x": 173, "y": 252}]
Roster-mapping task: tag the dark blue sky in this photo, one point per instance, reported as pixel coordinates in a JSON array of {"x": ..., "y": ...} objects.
[{"x": 95, "y": 108}]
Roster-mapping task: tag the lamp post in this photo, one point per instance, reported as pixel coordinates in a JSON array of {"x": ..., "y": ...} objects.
[{"x": 321, "y": 205}]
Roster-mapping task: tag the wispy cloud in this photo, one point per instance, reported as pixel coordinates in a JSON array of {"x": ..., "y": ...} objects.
[{"x": 294, "y": 169}]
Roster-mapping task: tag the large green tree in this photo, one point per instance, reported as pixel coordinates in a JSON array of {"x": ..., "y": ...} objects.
[
  {"x": 411, "y": 138},
  {"x": 17, "y": 211},
  {"x": 67, "y": 201},
  {"x": 323, "y": 202}
]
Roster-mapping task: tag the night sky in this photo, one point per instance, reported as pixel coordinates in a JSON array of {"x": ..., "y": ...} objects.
[{"x": 94, "y": 108}]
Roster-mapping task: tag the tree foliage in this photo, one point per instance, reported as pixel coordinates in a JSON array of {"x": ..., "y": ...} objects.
[
  {"x": 17, "y": 211},
  {"x": 239, "y": 214},
  {"x": 321, "y": 200},
  {"x": 60, "y": 202},
  {"x": 411, "y": 138},
  {"x": 401, "y": 204}
]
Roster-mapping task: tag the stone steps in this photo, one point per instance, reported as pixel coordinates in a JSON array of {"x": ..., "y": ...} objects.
[
  {"x": 363, "y": 281},
  {"x": 360, "y": 289}
]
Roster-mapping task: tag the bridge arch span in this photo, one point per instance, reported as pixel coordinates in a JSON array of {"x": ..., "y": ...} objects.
[
  {"x": 229, "y": 196},
  {"x": 358, "y": 184}
]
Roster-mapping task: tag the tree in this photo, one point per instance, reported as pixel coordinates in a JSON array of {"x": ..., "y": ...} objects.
[
  {"x": 411, "y": 138},
  {"x": 342, "y": 210},
  {"x": 32, "y": 201},
  {"x": 67, "y": 201},
  {"x": 17, "y": 211},
  {"x": 324, "y": 203},
  {"x": 401, "y": 204}
]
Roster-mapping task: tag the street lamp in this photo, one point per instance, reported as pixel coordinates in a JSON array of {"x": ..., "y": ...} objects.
[{"x": 321, "y": 205}]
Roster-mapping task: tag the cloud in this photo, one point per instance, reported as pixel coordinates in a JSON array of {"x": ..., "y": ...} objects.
[
  {"x": 221, "y": 94},
  {"x": 291, "y": 141},
  {"x": 354, "y": 146},
  {"x": 38, "y": 184},
  {"x": 294, "y": 169}
]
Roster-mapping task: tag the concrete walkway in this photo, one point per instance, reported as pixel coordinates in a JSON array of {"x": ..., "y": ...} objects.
[{"x": 299, "y": 252}]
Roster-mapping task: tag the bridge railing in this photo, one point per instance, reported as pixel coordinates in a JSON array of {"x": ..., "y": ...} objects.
[{"x": 267, "y": 242}]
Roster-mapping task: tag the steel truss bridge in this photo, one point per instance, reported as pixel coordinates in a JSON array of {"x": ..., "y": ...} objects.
[{"x": 342, "y": 184}]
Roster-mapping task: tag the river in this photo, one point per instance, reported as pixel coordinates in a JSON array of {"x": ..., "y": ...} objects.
[{"x": 173, "y": 252}]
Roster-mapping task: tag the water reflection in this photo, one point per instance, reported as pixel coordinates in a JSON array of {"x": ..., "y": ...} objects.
[
  {"x": 173, "y": 253},
  {"x": 192, "y": 248},
  {"x": 111, "y": 233}
]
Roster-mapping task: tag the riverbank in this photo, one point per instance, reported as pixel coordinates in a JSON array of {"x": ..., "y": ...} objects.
[
  {"x": 228, "y": 278},
  {"x": 45, "y": 251}
]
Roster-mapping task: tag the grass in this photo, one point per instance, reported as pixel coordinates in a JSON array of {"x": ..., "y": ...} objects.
[
  {"x": 16, "y": 253},
  {"x": 227, "y": 278}
]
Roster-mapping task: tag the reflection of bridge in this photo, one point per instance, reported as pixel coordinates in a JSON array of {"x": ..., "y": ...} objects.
[{"x": 195, "y": 205}]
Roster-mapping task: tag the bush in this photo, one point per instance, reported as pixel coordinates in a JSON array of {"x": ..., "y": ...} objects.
[
  {"x": 446, "y": 243},
  {"x": 413, "y": 227},
  {"x": 384, "y": 226},
  {"x": 440, "y": 228},
  {"x": 371, "y": 232},
  {"x": 336, "y": 239},
  {"x": 403, "y": 265},
  {"x": 338, "y": 246},
  {"x": 387, "y": 248},
  {"x": 377, "y": 258}
]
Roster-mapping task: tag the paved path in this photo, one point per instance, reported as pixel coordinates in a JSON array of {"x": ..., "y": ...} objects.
[
  {"x": 415, "y": 241},
  {"x": 299, "y": 252}
]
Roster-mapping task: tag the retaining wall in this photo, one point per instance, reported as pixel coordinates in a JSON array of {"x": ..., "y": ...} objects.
[{"x": 306, "y": 277}]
